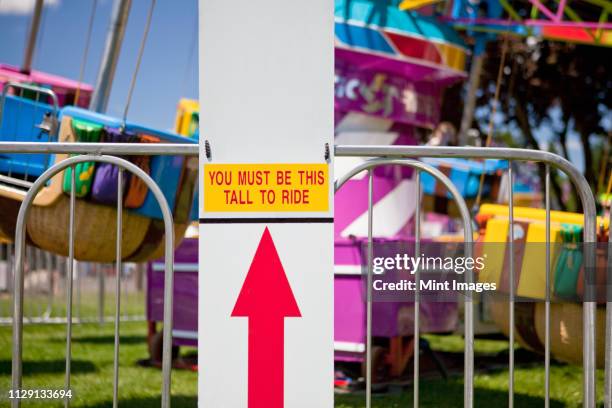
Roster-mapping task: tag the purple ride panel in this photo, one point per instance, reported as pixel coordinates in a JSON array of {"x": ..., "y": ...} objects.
[
  {"x": 389, "y": 318},
  {"x": 185, "y": 311}
]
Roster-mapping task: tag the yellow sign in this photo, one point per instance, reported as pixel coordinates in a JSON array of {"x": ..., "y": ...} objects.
[{"x": 266, "y": 187}]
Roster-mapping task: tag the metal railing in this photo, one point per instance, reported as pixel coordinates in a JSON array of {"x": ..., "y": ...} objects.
[
  {"x": 401, "y": 155},
  {"x": 44, "y": 289},
  {"x": 20, "y": 239},
  {"x": 386, "y": 155},
  {"x": 370, "y": 165}
]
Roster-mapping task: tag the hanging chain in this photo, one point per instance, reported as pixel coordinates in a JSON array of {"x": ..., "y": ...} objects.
[{"x": 138, "y": 61}]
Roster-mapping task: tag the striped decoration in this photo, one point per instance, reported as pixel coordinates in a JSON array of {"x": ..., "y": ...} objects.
[
  {"x": 400, "y": 46},
  {"x": 372, "y": 29},
  {"x": 394, "y": 187}
]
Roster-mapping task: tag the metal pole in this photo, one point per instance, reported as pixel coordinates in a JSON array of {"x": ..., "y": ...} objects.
[
  {"x": 369, "y": 291},
  {"x": 112, "y": 49},
  {"x": 118, "y": 288},
  {"x": 2, "y": 257},
  {"x": 417, "y": 291},
  {"x": 547, "y": 312},
  {"x": 69, "y": 280},
  {"x": 101, "y": 292},
  {"x": 468, "y": 316},
  {"x": 608, "y": 368},
  {"x": 49, "y": 268},
  {"x": 31, "y": 44},
  {"x": 511, "y": 286},
  {"x": 77, "y": 278},
  {"x": 123, "y": 149}
]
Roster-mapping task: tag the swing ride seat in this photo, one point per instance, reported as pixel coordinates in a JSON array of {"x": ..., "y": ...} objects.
[
  {"x": 19, "y": 116},
  {"x": 187, "y": 117},
  {"x": 465, "y": 175},
  {"x": 63, "y": 88},
  {"x": 530, "y": 273},
  {"x": 47, "y": 225}
]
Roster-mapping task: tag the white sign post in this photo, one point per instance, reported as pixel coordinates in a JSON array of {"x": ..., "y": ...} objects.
[{"x": 265, "y": 337}]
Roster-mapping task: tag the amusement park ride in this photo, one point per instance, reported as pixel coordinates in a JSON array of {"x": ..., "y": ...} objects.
[
  {"x": 36, "y": 107},
  {"x": 393, "y": 62},
  {"x": 585, "y": 21}
]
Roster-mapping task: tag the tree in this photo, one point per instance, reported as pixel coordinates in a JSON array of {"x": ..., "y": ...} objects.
[{"x": 540, "y": 80}]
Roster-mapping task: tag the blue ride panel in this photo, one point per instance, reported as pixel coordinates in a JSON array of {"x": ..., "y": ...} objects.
[
  {"x": 362, "y": 37},
  {"x": 20, "y": 117},
  {"x": 464, "y": 173},
  {"x": 164, "y": 170}
]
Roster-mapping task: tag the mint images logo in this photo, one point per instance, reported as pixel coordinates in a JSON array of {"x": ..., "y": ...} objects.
[
  {"x": 405, "y": 262},
  {"x": 433, "y": 285}
]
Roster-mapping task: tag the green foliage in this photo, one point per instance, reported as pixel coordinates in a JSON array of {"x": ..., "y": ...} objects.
[{"x": 562, "y": 87}]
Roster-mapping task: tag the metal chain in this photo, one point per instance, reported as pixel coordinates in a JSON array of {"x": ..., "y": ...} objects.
[
  {"x": 92, "y": 16},
  {"x": 138, "y": 61}
]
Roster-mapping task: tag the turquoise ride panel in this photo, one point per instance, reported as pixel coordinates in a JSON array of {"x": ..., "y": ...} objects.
[
  {"x": 20, "y": 117},
  {"x": 166, "y": 171}
]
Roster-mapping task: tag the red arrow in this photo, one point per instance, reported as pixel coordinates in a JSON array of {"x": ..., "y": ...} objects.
[{"x": 266, "y": 299}]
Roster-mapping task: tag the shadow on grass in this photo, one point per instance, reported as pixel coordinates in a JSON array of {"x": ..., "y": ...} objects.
[
  {"x": 443, "y": 394},
  {"x": 485, "y": 397},
  {"x": 492, "y": 363},
  {"x": 110, "y": 340},
  {"x": 49, "y": 367},
  {"x": 178, "y": 401}
]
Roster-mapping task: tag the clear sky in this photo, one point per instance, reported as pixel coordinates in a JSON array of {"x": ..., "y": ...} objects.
[{"x": 169, "y": 65}]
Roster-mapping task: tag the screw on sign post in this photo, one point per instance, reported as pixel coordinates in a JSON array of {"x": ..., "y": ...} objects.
[
  {"x": 266, "y": 316},
  {"x": 266, "y": 243}
]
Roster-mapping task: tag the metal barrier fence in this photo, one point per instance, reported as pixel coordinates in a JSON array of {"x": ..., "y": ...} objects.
[
  {"x": 387, "y": 155},
  {"x": 20, "y": 258},
  {"x": 45, "y": 284},
  {"x": 402, "y": 155},
  {"x": 467, "y": 232}
]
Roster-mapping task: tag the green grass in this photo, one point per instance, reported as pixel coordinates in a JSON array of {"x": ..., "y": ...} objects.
[
  {"x": 36, "y": 305},
  {"x": 490, "y": 382},
  {"x": 92, "y": 370},
  {"x": 92, "y": 366}
]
